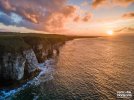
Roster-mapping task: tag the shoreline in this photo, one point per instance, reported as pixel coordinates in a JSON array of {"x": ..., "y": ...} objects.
[{"x": 46, "y": 70}]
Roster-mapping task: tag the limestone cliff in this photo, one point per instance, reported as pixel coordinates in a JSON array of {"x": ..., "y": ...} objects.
[
  {"x": 20, "y": 56},
  {"x": 12, "y": 66}
]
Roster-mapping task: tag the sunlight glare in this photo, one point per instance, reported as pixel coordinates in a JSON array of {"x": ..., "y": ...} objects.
[{"x": 110, "y": 32}]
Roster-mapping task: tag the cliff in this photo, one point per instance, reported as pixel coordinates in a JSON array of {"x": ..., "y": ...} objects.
[{"x": 21, "y": 55}]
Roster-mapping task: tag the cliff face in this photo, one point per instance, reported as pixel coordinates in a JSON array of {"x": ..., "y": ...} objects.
[
  {"x": 18, "y": 60},
  {"x": 31, "y": 62},
  {"x": 44, "y": 48},
  {"x": 12, "y": 66}
]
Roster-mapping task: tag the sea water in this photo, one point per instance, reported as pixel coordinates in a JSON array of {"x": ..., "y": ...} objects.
[{"x": 87, "y": 69}]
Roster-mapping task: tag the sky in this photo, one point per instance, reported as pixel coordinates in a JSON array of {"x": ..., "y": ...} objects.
[{"x": 70, "y": 17}]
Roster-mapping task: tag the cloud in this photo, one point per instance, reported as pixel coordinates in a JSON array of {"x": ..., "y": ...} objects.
[
  {"x": 85, "y": 3},
  {"x": 6, "y": 6},
  {"x": 98, "y": 3},
  {"x": 77, "y": 18},
  {"x": 125, "y": 29},
  {"x": 123, "y": 2},
  {"x": 44, "y": 15},
  {"x": 87, "y": 17},
  {"x": 128, "y": 15},
  {"x": 6, "y": 19},
  {"x": 56, "y": 20},
  {"x": 31, "y": 10},
  {"x": 102, "y": 3}
]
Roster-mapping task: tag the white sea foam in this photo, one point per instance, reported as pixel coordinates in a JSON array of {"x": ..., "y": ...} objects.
[{"x": 46, "y": 74}]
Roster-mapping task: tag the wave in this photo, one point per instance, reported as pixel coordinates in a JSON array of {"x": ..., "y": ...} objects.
[{"x": 46, "y": 68}]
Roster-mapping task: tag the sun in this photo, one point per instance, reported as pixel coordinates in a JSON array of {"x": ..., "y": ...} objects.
[{"x": 109, "y": 32}]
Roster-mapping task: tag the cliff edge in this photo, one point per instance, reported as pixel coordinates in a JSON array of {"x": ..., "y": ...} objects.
[{"x": 20, "y": 55}]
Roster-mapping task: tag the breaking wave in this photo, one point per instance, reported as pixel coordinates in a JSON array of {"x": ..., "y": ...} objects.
[{"x": 46, "y": 74}]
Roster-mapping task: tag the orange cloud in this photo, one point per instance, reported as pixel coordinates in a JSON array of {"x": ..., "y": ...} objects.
[
  {"x": 128, "y": 15},
  {"x": 98, "y": 3},
  {"x": 77, "y": 18},
  {"x": 44, "y": 15},
  {"x": 87, "y": 17},
  {"x": 6, "y": 6},
  {"x": 56, "y": 20},
  {"x": 125, "y": 29},
  {"x": 68, "y": 10},
  {"x": 32, "y": 17},
  {"x": 31, "y": 10},
  {"x": 102, "y": 3},
  {"x": 122, "y": 2}
]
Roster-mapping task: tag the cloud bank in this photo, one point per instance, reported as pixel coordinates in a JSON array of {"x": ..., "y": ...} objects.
[
  {"x": 44, "y": 15},
  {"x": 54, "y": 16}
]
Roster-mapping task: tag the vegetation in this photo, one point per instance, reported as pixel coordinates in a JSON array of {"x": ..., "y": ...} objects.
[{"x": 13, "y": 42}]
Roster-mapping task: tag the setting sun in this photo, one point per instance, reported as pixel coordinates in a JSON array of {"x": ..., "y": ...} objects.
[{"x": 109, "y": 32}]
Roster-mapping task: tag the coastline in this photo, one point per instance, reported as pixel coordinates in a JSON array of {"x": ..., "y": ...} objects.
[{"x": 46, "y": 70}]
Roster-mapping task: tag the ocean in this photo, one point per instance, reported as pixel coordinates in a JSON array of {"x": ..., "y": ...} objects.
[{"x": 86, "y": 69}]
